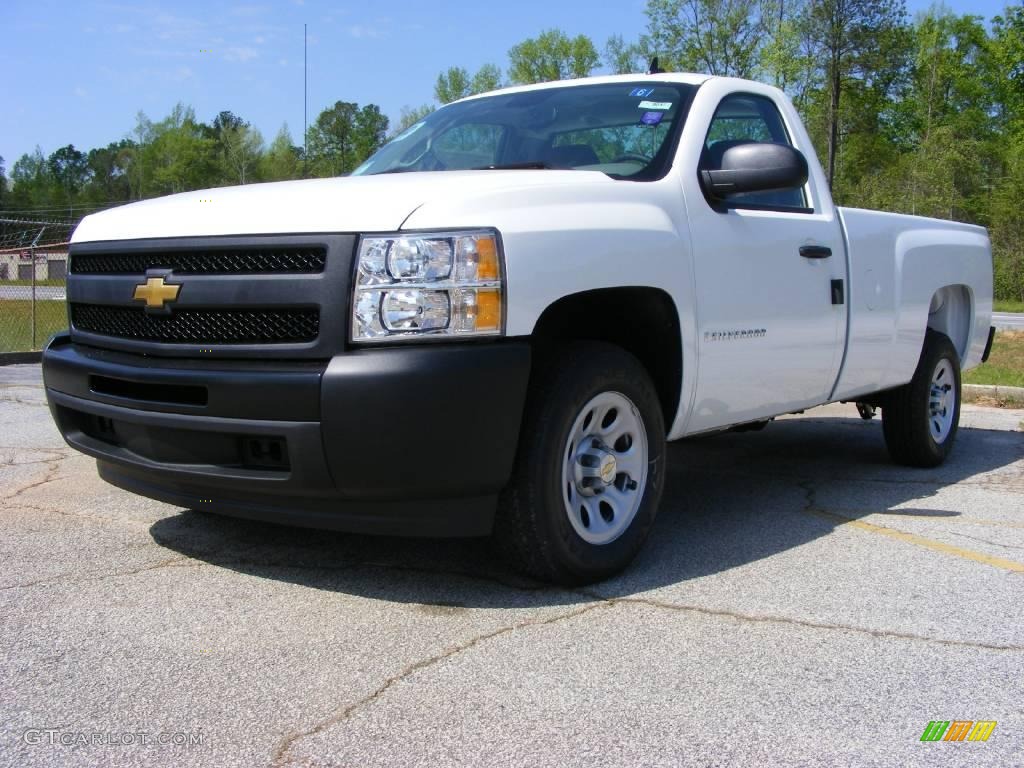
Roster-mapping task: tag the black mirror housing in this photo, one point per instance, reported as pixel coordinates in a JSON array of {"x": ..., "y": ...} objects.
[{"x": 755, "y": 167}]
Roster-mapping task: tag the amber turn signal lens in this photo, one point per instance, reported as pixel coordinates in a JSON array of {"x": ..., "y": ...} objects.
[
  {"x": 488, "y": 314},
  {"x": 487, "y": 266}
]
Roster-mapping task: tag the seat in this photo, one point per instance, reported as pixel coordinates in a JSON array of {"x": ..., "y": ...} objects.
[{"x": 572, "y": 156}]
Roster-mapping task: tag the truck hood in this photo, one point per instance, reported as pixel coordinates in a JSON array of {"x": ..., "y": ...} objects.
[{"x": 354, "y": 204}]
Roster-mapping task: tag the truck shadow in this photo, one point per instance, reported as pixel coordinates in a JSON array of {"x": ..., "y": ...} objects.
[{"x": 731, "y": 500}]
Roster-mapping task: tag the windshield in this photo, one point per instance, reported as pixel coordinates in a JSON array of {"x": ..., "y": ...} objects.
[{"x": 626, "y": 130}]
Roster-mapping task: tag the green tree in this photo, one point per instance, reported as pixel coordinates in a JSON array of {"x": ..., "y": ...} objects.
[
  {"x": 282, "y": 160},
  {"x": 139, "y": 173},
  {"x": 719, "y": 37},
  {"x": 242, "y": 149},
  {"x": 3, "y": 183},
  {"x": 781, "y": 60},
  {"x": 409, "y": 116},
  {"x": 455, "y": 83},
  {"x": 69, "y": 170},
  {"x": 624, "y": 58},
  {"x": 1007, "y": 226},
  {"x": 31, "y": 181},
  {"x": 109, "y": 169},
  {"x": 487, "y": 78},
  {"x": 371, "y": 132},
  {"x": 239, "y": 148},
  {"x": 552, "y": 55},
  {"x": 1006, "y": 219},
  {"x": 452, "y": 85},
  {"x": 950, "y": 109},
  {"x": 343, "y": 136},
  {"x": 179, "y": 155},
  {"x": 851, "y": 38}
]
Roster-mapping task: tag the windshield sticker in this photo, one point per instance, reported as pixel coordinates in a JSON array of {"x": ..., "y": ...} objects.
[
  {"x": 655, "y": 105},
  {"x": 652, "y": 118},
  {"x": 642, "y": 92}
]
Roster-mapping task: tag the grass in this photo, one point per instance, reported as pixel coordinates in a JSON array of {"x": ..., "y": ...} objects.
[
  {"x": 16, "y": 323},
  {"x": 1008, "y": 305},
  {"x": 1005, "y": 365},
  {"x": 1003, "y": 401},
  {"x": 62, "y": 281}
]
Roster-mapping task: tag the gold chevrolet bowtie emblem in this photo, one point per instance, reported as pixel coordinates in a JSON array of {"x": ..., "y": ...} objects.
[{"x": 155, "y": 292}]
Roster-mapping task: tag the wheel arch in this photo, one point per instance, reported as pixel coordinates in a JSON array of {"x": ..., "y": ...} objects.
[
  {"x": 950, "y": 313},
  {"x": 642, "y": 320}
]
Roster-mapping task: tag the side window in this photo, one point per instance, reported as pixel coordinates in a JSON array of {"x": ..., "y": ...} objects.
[
  {"x": 743, "y": 118},
  {"x": 469, "y": 145}
]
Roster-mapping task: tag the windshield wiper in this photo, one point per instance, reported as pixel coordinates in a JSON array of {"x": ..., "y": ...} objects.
[{"x": 530, "y": 164}]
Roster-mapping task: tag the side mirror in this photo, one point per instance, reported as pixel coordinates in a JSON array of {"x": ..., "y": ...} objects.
[{"x": 755, "y": 167}]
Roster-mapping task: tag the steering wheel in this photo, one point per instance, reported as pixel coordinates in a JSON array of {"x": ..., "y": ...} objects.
[{"x": 632, "y": 157}]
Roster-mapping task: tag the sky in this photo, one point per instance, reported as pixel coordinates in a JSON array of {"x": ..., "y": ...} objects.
[{"x": 78, "y": 72}]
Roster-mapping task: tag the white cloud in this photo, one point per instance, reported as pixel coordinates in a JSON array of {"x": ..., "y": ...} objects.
[
  {"x": 80, "y": 92},
  {"x": 240, "y": 53},
  {"x": 249, "y": 10},
  {"x": 171, "y": 27},
  {"x": 364, "y": 31}
]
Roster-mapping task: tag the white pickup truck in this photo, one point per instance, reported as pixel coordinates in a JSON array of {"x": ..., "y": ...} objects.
[{"x": 494, "y": 325}]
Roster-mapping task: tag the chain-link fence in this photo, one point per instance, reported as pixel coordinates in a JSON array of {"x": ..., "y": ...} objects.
[{"x": 33, "y": 272}]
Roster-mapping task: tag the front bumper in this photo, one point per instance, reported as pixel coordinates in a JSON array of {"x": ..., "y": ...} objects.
[{"x": 403, "y": 441}]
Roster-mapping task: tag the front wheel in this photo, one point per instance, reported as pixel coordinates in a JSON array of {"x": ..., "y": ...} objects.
[
  {"x": 920, "y": 419},
  {"x": 590, "y": 467}
]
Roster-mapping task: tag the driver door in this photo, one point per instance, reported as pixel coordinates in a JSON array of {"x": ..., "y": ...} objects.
[{"x": 770, "y": 337}]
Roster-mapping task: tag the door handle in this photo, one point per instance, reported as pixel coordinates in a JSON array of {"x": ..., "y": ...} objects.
[{"x": 815, "y": 251}]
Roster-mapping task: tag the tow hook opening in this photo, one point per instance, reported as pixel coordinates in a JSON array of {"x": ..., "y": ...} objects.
[{"x": 264, "y": 453}]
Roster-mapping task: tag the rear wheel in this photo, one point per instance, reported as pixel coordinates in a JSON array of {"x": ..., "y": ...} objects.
[
  {"x": 589, "y": 472},
  {"x": 920, "y": 419}
]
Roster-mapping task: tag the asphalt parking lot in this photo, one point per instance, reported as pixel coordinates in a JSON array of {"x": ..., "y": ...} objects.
[{"x": 802, "y": 602}]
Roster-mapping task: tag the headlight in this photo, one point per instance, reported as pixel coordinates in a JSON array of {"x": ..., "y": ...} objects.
[{"x": 435, "y": 284}]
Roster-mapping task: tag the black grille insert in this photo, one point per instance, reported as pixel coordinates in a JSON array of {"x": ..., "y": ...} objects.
[
  {"x": 177, "y": 394},
  {"x": 200, "y": 326},
  {"x": 204, "y": 261}
]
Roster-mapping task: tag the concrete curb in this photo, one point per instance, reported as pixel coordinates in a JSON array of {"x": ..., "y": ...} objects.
[
  {"x": 18, "y": 358},
  {"x": 995, "y": 390}
]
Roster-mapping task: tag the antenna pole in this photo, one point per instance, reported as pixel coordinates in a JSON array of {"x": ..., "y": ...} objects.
[{"x": 305, "y": 96}]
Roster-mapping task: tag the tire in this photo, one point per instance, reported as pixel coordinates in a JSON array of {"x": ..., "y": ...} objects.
[
  {"x": 920, "y": 430},
  {"x": 551, "y": 523}
]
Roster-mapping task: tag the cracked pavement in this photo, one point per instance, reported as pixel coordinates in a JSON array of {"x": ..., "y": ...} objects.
[{"x": 802, "y": 601}]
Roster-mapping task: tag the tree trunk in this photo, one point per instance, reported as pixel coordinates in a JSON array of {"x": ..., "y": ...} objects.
[{"x": 833, "y": 121}]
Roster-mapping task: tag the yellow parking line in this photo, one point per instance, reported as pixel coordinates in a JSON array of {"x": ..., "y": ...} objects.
[
  {"x": 921, "y": 541},
  {"x": 955, "y": 520}
]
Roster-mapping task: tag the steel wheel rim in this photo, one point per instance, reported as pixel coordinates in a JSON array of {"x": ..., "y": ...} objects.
[
  {"x": 604, "y": 468},
  {"x": 942, "y": 401}
]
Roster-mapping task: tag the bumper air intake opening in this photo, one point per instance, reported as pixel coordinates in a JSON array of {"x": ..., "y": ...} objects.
[
  {"x": 176, "y": 394},
  {"x": 264, "y": 453}
]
